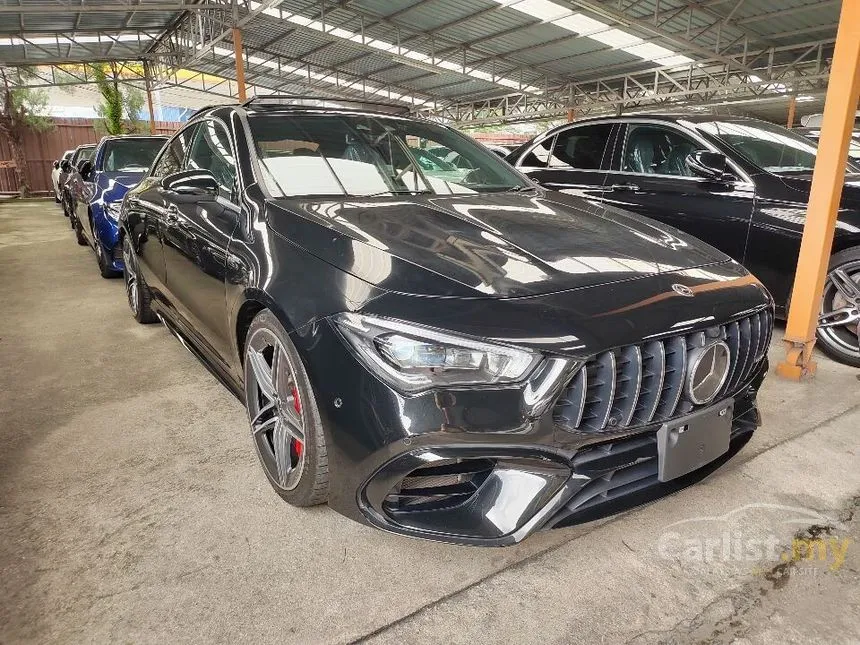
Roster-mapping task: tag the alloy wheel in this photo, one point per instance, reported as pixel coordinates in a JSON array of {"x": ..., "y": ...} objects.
[
  {"x": 274, "y": 409},
  {"x": 839, "y": 320},
  {"x": 132, "y": 288}
]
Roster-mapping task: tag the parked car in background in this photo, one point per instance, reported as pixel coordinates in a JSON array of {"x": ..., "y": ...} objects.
[
  {"x": 740, "y": 184},
  {"x": 499, "y": 150},
  {"x": 466, "y": 359},
  {"x": 56, "y": 172},
  {"x": 67, "y": 168},
  {"x": 98, "y": 187},
  {"x": 814, "y": 134}
]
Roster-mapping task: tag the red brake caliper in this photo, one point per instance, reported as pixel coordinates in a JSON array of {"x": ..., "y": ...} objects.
[{"x": 298, "y": 407}]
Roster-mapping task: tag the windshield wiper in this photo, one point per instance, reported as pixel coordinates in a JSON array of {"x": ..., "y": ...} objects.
[
  {"x": 519, "y": 189},
  {"x": 397, "y": 192}
]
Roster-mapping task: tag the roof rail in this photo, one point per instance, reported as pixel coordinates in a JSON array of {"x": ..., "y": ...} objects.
[
  {"x": 326, "y": 101},
  {"x": 209, "y": 107}
]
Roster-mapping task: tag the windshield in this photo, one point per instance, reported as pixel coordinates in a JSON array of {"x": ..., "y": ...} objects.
[
  {"x": 362, "y": 155},
  {"x": 853, "y": 144},
  {"x": 131, "y": 155},
  {"x": 771, "y": 147},
  {"x": 83, "y": 153}
]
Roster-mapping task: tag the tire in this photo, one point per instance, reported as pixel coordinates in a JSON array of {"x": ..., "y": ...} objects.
[
  {"x": 104, "y": 268},
  {"x": 841, "y": 342},
  {"x": 79, "y": 234},
  {"x": 286, "y": 428},
  {"x": 136, "y": 291}
]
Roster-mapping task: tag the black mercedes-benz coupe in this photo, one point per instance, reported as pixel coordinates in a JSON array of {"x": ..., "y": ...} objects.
[
  {"x": 739, "y": 184},
  {"x": 458, "y": 355}
]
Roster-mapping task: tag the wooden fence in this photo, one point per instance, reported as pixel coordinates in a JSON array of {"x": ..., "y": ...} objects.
[{"x": 42, "y": 148}]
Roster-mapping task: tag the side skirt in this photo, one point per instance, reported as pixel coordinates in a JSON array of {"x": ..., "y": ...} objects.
[{"x": 215, "y": 369}]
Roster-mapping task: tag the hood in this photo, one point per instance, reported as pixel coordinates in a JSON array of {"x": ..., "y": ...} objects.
[
  {"x": 498, "y": 244},
  {"x": 124, "y": 179},
  {"x": 802, "y": 183},
  {"x": 112, "y": 186}
]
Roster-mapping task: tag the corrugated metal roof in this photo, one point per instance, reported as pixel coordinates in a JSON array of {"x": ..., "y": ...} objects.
[{"x": 493, "y": 39}]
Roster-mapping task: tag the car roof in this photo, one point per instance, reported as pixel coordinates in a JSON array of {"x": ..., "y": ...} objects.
[
  {"x": 277, "y": 104},
  {"x": 668, "y": 117},
  {"x": 114, "y": 137}
]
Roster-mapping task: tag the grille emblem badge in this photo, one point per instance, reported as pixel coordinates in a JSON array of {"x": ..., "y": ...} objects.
[
  {"x": 682, "y": 290},
  {"x": 707, "y": 370}
]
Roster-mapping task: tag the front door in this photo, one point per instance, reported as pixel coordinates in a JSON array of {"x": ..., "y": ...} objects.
[
  {"x": 197, "y": 232},
  {"x": 148, "y": 203},
  {"x": 650, "y": 177}
]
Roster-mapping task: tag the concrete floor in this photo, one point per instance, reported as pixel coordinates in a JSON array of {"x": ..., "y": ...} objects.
[{"x": 132, "y": 509}]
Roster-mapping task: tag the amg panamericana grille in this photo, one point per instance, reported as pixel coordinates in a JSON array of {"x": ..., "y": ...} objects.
[{"x": 641, "y": 384}]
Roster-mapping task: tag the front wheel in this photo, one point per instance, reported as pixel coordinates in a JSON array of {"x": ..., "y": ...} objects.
[
  {"x": 839, "y": 318},
  {"x": 285, "y": 422},
  {"x": 136, "y": 290},
  {"x": 79, "y": 233},
  {"x": 105, "y": 268}
]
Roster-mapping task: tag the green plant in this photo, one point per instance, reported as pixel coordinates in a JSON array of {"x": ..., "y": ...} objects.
[
  {"x": 120, "y": 108},
  {"x": 21, "y": 110}
]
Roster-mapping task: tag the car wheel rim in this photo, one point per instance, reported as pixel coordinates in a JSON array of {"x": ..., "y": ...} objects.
[
  {"x": 274, "y": 409},
  {"x": 839, "y": 319},
  {"x": 131, "y": 287}
]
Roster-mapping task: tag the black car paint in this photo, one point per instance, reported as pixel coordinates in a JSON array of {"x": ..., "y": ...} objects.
[
  {"x": 436, "y": 261},
  {"x": 757, "y": 218}
]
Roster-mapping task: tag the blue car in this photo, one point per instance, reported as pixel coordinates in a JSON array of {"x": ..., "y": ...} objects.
[{"x": 97, "y": 188}]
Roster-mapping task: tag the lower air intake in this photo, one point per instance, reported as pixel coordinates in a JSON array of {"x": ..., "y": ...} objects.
[{"x": 443, "y": 485}]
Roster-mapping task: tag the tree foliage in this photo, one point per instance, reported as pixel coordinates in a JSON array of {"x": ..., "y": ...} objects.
[
  {"x": 120, "y": 107},
  {"x": 21, "y": 109}
]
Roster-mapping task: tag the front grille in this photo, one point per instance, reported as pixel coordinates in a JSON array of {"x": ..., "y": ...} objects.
[
  {"x": 442, "y": 485},
  {"x": 642, "y": 384}
]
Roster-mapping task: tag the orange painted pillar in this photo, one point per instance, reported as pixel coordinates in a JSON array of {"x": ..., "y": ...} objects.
[
  {"x": 570, "y": 115},
  {"x": 843, "y": 92},
  {"x": 240, "y": 63},
  {"x": 792, "y": 107}
]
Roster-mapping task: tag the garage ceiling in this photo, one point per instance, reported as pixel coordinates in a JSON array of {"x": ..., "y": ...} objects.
[{"x": 479, "y": 61}]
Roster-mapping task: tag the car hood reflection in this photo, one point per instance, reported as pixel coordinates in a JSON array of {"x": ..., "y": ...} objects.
[{"x": 502, "y": 245}]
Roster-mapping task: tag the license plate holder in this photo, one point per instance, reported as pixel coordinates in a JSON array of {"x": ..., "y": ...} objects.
[{"x": 688, "y": 443}]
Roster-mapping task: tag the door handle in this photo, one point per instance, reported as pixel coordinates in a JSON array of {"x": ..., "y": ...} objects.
[{"x": 630, "y": 188}]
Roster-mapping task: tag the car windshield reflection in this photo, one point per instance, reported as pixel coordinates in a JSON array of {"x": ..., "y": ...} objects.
[{"x": 362, "y": 156}]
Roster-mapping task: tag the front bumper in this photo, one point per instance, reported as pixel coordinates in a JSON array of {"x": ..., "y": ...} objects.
[
  {"x": 107, "y": 234},
  {"x": 501, "y": 467}
]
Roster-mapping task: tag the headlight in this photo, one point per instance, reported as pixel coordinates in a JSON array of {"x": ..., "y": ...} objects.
[
  {"x": 112, "y": 210},
  {"x": 412, "y": 359}
]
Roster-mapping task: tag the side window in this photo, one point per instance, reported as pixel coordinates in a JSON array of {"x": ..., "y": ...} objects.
[
  {"x": 538, "y": 157},
  {"x": 581, "y": 147},
  {"x": 173, "y": 155},
  {"x": 211, "y": 151},
  {"x": 657, "y": 150}
]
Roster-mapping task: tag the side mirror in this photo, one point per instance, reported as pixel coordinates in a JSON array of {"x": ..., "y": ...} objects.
[
  {"x": 85, "y": 168},
  {"x": 708, "y": 165},
  {"x": 56, "y": 165},
  {"x": 197, "y": 183}
]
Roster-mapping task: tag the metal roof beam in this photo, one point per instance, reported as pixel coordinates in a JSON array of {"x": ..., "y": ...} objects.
[{"x": 44, "y": 8}]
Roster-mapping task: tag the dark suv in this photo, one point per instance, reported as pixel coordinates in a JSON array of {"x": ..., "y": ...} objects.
[
  {"x": 455, "y": 355},
  {"x": 739, "y": 184}
]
